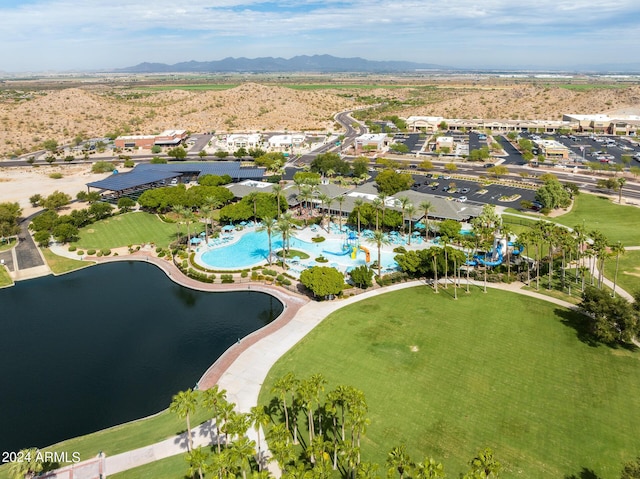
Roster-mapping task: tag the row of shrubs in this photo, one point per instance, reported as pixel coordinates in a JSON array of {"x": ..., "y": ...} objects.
[{"x": 91, "y": 252}]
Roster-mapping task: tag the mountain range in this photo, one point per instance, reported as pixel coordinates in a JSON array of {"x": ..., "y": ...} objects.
[{"x": 302, "y": 63}]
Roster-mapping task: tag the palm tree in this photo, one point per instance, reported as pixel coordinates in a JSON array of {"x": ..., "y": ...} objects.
[
  {"x": 485, "y": 465},
  {"x": 404, "y": 202},
  {"x": 379, "y": 239},
  {"x": 259, "y": 418},
  {"x": 205, "y": 212},
  {"x": 357, "y": 204},
  {"x": 377, "y": 205},
  {"x": 507, "y": 231},
  {"x": 285, "y": 226},
  {"x": 197, "y": 460},
  {"x": 29, "y": 466},
  {"x": 621, "y": 183},
  {"x": 184, "y": 404},
  {"x": 324, "y": 201},
  {"x": 383, "y": 198},
  {"x": 434, "y": 253},
  {"x": 276, "y": 190},
  {"x": 429, "y": 469},
  {"x": 214, "y": 399},
  {"x": 426, "y": 206},
  {"x": 287, "y": 384},
  {"x": 617, "y": 249},
  {"x": 253, "y": 198},
  {"x": 410, "y": 210},
  {"x": 398, "y": 460},
  {"x": 340, "y": 199},
  {"x": 241, "y": 450},
  {"x": 268, "y": 225},
  {"x": 305, "y": 195}
]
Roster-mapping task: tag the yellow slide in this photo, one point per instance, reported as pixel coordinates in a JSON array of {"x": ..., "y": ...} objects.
[
  {"x": 353, "y": 252},
  {"x": 366, "y": 252}
]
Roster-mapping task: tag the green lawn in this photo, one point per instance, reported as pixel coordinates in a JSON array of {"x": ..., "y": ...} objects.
[
  {"x": 174, "y": 467},
  {"x": 628, "y": 270},
  {"x": 5, "y": 279},
  {"x": 598, "y": 212},
  {"x": 125, "y": 437},
  {"x": 126, "y": 229},
  {"x": 60, "y": 264},
  {"x": 448, "y": 377},
  {"x": 7, "y": 244}
]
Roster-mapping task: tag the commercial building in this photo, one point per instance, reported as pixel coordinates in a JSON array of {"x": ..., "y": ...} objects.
[
  {"x": 243, "y": 140},
  {"x": 286, "y": 141},
  {"x": 552, "y": 150},
  {"x": 371, "y": 141},
  {"x": 166, "y": 138}
]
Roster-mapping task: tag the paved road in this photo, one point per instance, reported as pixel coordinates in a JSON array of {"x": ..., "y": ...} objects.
[{"x": 27, "y": 253}]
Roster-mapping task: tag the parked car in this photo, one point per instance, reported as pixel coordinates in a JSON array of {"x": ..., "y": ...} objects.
[
  {"x": 462, "y": 199},
  {"x": 464, "y": 190},
  {"x": 445, "y": 188}
]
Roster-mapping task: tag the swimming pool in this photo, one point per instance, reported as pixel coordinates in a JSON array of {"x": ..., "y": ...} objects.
[{"x": 253, "y": 249}]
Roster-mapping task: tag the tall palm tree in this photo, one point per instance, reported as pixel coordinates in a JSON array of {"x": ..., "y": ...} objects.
[
  {"x": 380, "y": 240},
  {"x": 205, "y": 212},
  {"x": 214, "y": 399},
  {"x": 404, "y": 202},
  {"x": 358, "y": 202},
  {"x": 340, "y": 200},
  {"x": 253, "y": 198},
  {"x": 383, "y": 198},
  {"x": 198, "y": 461},
  {"x": 621, "y": 182},
  {"x": 284, "y": 386},
  {"x": 434, "y": 253},
  {"x": 259, "y": 418},
  {"x": 426, "y": 206},
  {"x": 617, "y": 249},
  {"x": 276, "y": 190},
  {"x": 269, "y": 225},
  {"x": 377, "y": 205},
  {"x": 29, "y": 466},
  {"x": 184, "y": 404},
  {"x": 241, "y": 450},
  {"x": 410, "y": 210},
  {"x": 324, "y": 201},
  {"x": 286, "y": 228},
  {"x": 305, "y": 195}
]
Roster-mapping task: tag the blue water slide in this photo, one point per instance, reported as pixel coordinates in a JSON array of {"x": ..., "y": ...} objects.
[
  {"x": 341, "y": 253},
  {"x": 517, "y": 248},
  {"x": 485, "y": 262}
]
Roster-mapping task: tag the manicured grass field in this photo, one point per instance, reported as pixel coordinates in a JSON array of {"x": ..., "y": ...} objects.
[
  {"x": 174, "y": 467},
  {"x": 448, "y": 377},
  {"x": 60, "y": 264},
  {"x": 8, "y": 244},
  {"x": 125, "y": 437},
  {"x": 612, "y": 219},
  {"x": 5, "y": 279},
  {"x": 628, "y": 270},
  {"x": 126, "y": 229}
]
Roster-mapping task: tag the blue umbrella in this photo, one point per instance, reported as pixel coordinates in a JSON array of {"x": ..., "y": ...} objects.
[
  {"x": 228, "y": 228},
  {"x": 419, "y": 226}
]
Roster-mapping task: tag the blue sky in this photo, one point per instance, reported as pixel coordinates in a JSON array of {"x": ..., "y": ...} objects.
[{"x": 60, "y": 35}]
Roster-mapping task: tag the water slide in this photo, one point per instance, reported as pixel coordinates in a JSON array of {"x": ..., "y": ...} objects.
[
  {"x": 354, "y": 251},
  {"x": 367, "y": 253},
  {"x": 344, "y": 252},
  {"x": 487, "y": 262},
  {"x": 517, "y": 248}
]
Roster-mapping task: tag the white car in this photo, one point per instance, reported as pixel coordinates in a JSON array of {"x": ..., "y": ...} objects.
[{"x": 462, "y": 199}]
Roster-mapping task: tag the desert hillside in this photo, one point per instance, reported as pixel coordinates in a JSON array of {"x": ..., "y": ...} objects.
[{"x": 64, "y": 114}]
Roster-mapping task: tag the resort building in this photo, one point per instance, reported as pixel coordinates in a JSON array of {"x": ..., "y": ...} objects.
[
  {"x": 166, "y": 138},
  {"x": 146, "y": 176},
  {"x": 371, "y": 141}
]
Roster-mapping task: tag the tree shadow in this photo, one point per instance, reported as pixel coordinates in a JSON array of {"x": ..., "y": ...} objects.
[
  {"x": 584, "y": 474},
  {"x": 576, "y": 320}
]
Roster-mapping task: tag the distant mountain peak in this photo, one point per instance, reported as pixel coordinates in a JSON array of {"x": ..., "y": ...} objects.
[{"x": 301, "y": 63}]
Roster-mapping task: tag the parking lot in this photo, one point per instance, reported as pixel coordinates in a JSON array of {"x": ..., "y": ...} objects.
[{"x": 474, "y": 192}]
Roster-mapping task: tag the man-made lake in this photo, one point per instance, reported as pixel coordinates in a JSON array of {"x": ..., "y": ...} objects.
[{"x": 108, "y": 344}]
